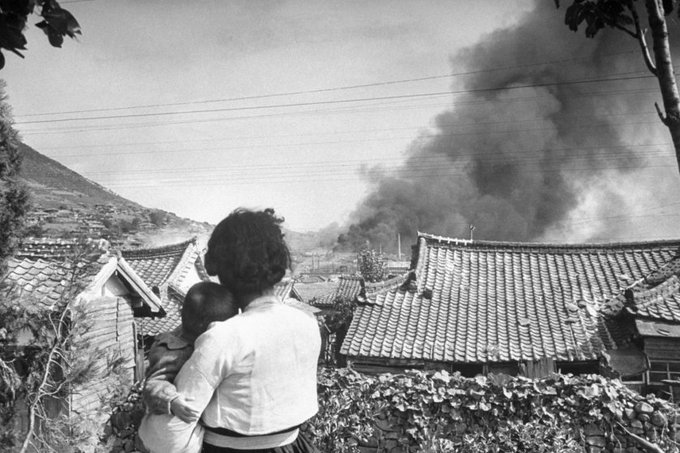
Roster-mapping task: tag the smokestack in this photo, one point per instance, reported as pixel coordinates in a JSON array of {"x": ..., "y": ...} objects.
[{"x": 399, "y": 246}]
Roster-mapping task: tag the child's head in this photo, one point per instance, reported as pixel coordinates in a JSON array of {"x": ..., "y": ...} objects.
[{"x": 204, "y": 303}]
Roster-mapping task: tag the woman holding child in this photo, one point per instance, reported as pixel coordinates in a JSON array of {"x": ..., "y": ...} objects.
[{"x": 253, "y": 376}]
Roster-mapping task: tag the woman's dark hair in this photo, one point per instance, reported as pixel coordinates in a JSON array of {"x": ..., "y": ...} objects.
[{"x": 247, "y": 251}]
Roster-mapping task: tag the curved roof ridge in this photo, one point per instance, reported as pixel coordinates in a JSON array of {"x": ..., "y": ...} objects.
[
  {"x": 549, "y": 245},
  {"x": 389, "y": 283},
  {"x": 164, "y": 249},
  {"x": 665, "y": 288},
  {"x": 189, "y": 253}
]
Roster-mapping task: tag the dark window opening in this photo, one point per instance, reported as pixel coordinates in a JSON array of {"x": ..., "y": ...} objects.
[
  {"x": 659, "y": 372},
  {"x": 509, "y": 368},
  {"x": 468, "y": 369},
  {"x": 578, "y": 367}
]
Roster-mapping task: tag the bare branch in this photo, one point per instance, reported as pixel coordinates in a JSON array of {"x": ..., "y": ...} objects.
[
  {"x": 640, "y": 36},
  {"x": 644, "y": 443},
  {"x": 663, "y": 118}
]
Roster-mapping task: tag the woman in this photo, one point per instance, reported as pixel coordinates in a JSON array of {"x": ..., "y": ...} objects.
[{"x": 253, "y": 377}]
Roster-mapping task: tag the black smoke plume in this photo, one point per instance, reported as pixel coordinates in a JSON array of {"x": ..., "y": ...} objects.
[{"x": 537, "y": 124}]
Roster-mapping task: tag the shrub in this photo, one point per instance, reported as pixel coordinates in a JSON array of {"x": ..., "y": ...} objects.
[{"x": 436, "y": 412}]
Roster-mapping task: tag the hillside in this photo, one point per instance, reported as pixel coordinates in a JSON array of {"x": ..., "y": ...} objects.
[
  {"x": 52, "y": 184},
  {"x": 64, "y": 203}
]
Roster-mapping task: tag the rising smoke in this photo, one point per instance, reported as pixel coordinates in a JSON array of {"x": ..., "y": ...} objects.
[{"x": 529, "y": 142}]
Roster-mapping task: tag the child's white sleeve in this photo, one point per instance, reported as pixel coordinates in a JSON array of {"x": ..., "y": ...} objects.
[{"x": 167, "y": 433}]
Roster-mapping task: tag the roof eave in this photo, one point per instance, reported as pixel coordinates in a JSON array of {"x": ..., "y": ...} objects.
[{"x": 148, "y": 296}]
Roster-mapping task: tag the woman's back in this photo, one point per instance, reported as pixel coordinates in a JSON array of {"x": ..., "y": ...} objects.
[{"x": 262, "y": 365}]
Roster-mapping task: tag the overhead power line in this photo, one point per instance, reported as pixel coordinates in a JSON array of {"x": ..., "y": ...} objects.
[
  {"x": 344, "y": 142},
  {"x": 295, "y": 179},
  {"x": 337, "y": 101},
  {"x": 335, "y": 110},
  {"x": 320, "y": 90},
  {"x": 230, "y": 139}
]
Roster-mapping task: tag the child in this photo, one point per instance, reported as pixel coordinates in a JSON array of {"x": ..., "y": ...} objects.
[{"x": 205, "y": 302}]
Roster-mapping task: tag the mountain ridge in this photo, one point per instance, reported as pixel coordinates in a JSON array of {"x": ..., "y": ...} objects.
[
  {"x": 64, "y": 203},
  {"x": 38, "y": 170}
]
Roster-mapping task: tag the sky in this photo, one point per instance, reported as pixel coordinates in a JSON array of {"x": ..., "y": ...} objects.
[{"x": 200, "y": 107}]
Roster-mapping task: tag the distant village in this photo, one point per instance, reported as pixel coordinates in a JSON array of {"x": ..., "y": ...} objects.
[{"x": 118, "y": 224}]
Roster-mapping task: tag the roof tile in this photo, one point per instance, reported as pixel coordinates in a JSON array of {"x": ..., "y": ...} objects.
[{"x": 494, "y": 301}]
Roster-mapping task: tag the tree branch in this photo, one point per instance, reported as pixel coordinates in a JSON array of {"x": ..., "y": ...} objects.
[
  {"x": 626, "y": 30},
  {"x": 34, "y": 408},
  {"x": 640, "y": 36},
  {"x": 644, "y": 443},
  {"x": 662, "y": 117}
]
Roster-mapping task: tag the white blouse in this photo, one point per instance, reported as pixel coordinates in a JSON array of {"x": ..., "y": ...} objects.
[{"x": 256, "y": 372}]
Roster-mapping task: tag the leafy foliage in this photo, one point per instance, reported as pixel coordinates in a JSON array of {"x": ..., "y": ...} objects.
[
  {"x": 436, "y": 412},
  {"x": 338, "y": 323},
  {"x": 56, "y": 23},
  {"x": 120, "y": 434},
  {"x": 158, "y": 217},
  {"x": 13, "y": 194},
  {"x": 44, "y": 357},
  {"x": 623, "y": 16},
  {"x": 597, "y": 14},
  {"x": 372, "y": 265}
]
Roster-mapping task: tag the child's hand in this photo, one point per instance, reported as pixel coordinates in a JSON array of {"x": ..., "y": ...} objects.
[{"x": 182, "y": 410}]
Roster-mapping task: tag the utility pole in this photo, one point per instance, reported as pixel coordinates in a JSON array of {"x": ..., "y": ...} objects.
[{"x": 472, "y": 231}]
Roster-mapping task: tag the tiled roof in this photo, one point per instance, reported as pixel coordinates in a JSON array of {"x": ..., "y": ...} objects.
[
  {"x": 300, "y": 305},
  {"x": 48, "y": 281},
  {"x": 45, "y": 281},
  {"x": 317, "y": 290},
  {"x": 656, "y": 296},
  {"x": 349, "y": 287},
  {"x": 56, "y": 249},
  {"x": 324, "y": 295},
  {"x": 173, "y": 308},
  {"x": 284, "y": 288},
  {"x": 167, "y": 268},
  {"x": 173, "y": 314},
  {"x": 156, "y": 265},
  {"x": 478, "y": 302}
]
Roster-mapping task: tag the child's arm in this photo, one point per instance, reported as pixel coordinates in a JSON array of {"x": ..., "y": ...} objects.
[
  {"x": 181, "y": 409},
  {"x": 158, "y": 394},
  {"x": 164, "y": 364}
]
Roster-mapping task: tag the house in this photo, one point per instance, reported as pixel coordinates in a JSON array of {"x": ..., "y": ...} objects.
[
  {"x": 516, "y": 308},
  {"x": 170, "y": 271},
  {"x": 647, "y": 317},
  {"x": 285, "y": 289},
  {"x": 56, "y": 249},
  {"x": 323, "y": 294},
  {"x": 105, "y": 292}
]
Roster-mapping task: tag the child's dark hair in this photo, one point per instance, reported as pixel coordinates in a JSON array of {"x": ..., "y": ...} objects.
[
  {"x": 206, "y": 302},
  {"x": 247, "y": 251}
]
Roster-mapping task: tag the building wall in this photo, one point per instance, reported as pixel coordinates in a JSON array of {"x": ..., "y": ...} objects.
[
  {"x": 110, "y": 337},
  {"x": 663, "y": 355},
  {"x": 531, "y": 369}
]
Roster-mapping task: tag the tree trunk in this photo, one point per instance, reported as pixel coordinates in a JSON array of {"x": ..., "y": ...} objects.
[{"x": 665, "y": 73}]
